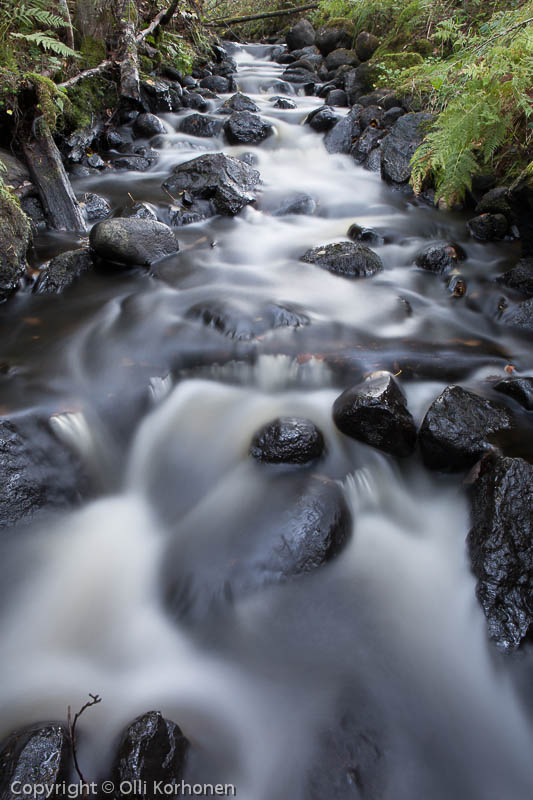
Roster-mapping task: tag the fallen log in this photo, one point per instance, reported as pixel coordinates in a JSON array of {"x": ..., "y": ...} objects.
[
  {"x": 218, "y": 23},
  {"x": 47, "y": 172}
]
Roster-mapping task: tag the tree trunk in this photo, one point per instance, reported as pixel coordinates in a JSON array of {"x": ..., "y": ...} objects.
[
  {"x": 48, "y": 174},
  {"x": 69, "y": 33},
  {"x": 130, "y": 88},
  {"x": 217, "y": 23}
]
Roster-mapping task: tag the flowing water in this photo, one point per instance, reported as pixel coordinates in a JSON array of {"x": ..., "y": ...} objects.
[{"x": 162, "y": 408}]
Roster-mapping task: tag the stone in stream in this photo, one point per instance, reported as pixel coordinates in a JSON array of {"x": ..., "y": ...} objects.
[
  {"x": 132, "y": 242},
  {"x": 152, "y": 749},
  {"x": 62, "y": 271},
  {"x": 375, "y": 412},
  {"x": 133, "y": 163},
  {"x": 500, "y": 543},
  {"x": 322, "y": 119},
  {"x": 94, "y": 207},
  {"x": 37, "y": 755},
  {"x": 195, "y": 101},
  {"x": 520, "y": 316},
  {"x": 148, "y": 125},
  {"x": 391, "y": 115},
  {"x": 38, "y": 472},
  {"x": 217, "y": 83},
  {"x": 366, "y": 45},
  {"x": 439, "y": 257},
  {"x": 459, "y": 428},
  {"x": 398, "y": 148},
  {"x": 302, "y": 34},
  {"x": 15, "y": 238},
  {"x": 156, "y": 96},
  {"x": 340, "y": 57},
  {"x": 341, "y": 136},
  {"x": 488, "y": 227},
  {"x": 520, "y": 277},
  {"x": 237, "y": 102},
  {"x": 371, "y": 116},
  {"x": 337, "y": 97},
  {"x": 368, "y": 141},
  {"x": 283, "y": 102},
  {"x": 239, "y": 319},
  {"x": 224, "y": 181},
  {"x": 244, "y": 127},
  {"x": 288, "y": 440},
  {"x": 298, "y": 203},
  {"x": 348, "y": 259},
  {"x": 359, "y": 234},
  {"x": 329, "y": 39},
  {"x": 201, "y": 125},
  {"x": 520, "y": 389},
  {"x": 139, "y": 211}
]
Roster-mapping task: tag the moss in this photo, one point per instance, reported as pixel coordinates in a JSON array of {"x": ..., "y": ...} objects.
[
  {"x": 400, "y": 60},
  {"x": 15, "y": 236},
  {"x": 51, "y": 101},
  {"x": 423, "y": 46},
  {"x": 88, "y": 99},
  {"x": 146, "y": 64},
  {"x": 343, "y": 23},
  {"x": 92, "y": 51}
]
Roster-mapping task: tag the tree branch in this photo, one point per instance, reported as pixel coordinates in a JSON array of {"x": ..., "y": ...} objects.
[
  {"x": 163, "y": 18},
  {"x": 217, "y": 23},
  {"x": 88, "y": 73},
  {"x": 95, "y": 699}
]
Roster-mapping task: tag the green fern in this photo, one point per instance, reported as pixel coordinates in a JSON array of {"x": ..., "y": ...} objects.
[{"x": 48, "y": 42}]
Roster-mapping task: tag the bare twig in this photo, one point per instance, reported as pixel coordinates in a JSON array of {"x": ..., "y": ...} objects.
[
  {"x": 217, "y": 23},
  {"x": 503, "y": 33},
  {"x": 95, "y": 699},
  {"x": 88, "y": 73}
]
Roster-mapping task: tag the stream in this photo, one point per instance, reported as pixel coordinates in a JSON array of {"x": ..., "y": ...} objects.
[{"x": 386, "y": 645}]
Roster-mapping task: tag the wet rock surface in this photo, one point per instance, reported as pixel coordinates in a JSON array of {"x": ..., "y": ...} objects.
[
  {"x": 439, "y": 257},
  {"x": 501, "y": 548},
  {"x": 487, "y": 227},
  {"x": 34, "y": 755},
  {"x": 132, "y": 241},
  {"x": 288, "y": 440},
  {"x": 243, "y": 127},
  {"x": 151, "y": 749},
  {"x": 62, "y": 271},
  {"x": 375, "y": 412},
  {"x": 322, "y": 119},
  {"x": 399, "y": 146},
  {"x": 148, "y": 125},
  {"x": 201, "y": 125},
  {"x": 520, "y": 316},
  {"x": 301, "y": 35},
  {"x": 244, "y": 321},
  {"x": 298, "y": 203},
  {"x": 341, "y": 136},
  {"x": 348, "y": 259},
  {"x": 519, "y": 277},
  {"x": 225, "y": 181},
  {"x": 238, "y": 102},
  {"x": 459, "y": 428},
  {"x": 520, "y": 389},
  {"x": 94, "y": 206}
]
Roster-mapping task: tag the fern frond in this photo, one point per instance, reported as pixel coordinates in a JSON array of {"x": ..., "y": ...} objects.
[{"x": 47, "y": 42}]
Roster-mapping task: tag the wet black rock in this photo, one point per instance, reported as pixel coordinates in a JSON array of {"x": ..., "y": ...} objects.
[
  {"x": 238, "y": 319},
  {"x": 95, "y": 161},
  {"x": 520, "y": 389},
  {"x": 298, "y": 203},
  {"x": 152, "y": 749},
  {"x": 439, "y": 257},
  {"x": 37, "y": 472},
  {"x": 188, "y": 82},
  {"x": 201, "y": 125},
  {"x": 399, "y": 146},
  {"x": 339, "y": 138},
  {"x": 337, "y": 97},
  {"x": 285, "y": 58},
  {"x": 496, "y": 201},
  {"x": 62, "y": 271},
  {"x": 147, "y": 125},
  {"x": 134, "y": 163},
  {"x": 500, "y": 546},
  {"x": 348, "y": 259},
  {"x": 195, "y": 101},
  {"x": 300, "y": 75},
  {"x": 94, "y": 206},
  {"x": 366, "y": 45},
  {"x": 34, "y": 755},
  {"x": 216, "y": 83},
  {"x": 244, "y": 127},
  {"x": 33, "y": 208},
  {"x": 322, "y": 119},
  {"x": 225, "y": 181},
  {"x": 301, "y": 35},
  {"x": 459, "y": 428},
  {"x": 78, "y": 143},
  {"x": 140, "y": 211},
  {"x": 363, "y": 146},
  {"x": 238, "y": 102},
  {"x": 488, "y": 227},
  {"x": 367, "y": 235},
  {"x": 371, "y": 116},
  {"x": 132, "y": 242},
  {"x": 391, "y": 115},
  {"x": 330, "y": 39},
  {"x": 375, "y": 412},
  {"x": 520, "y": 277},
  {"x": 340, "y": 57},
  {"x": 283, "y": 102},
  {"x": 359, "y": 82},
  {"x": 156, "y": 96},
  {"x": 519, "y": 316},
  {"x": 15, "y": 238},
  {"x": 288, "y": 440}
]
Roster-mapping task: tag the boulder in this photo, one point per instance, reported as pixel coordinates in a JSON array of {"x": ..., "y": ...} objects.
[
  {"x": 132, "y": 242},
  {"x": 399, "y": 146},
  {"x": 520, "y": 277},
  {"x": 156, "y": 96},
  {"x": 359, "y": 81},
  {"x": 300, "y": 75},
  {"x": 94, "y": 206},
  {"x": 496, "y": 201},
  {"x": 148, "y": 125},
  {"x": 366, "y": 45},
  {"x": 500, "y": 546},
  {"x": 37, "y": 472},
  {"x": 375, "y": 412},
  {"x": 459, "y": 428},
  {"x": 339, "y": 138},
  {"x": 62, "y": 271},
  {"x": 359, "y": 234},
  {"x": 16, "y": 172},
  {"x": 288, "y": 440},
  {"x": 371, "y": 116},
  {"x": 224, "y": 181},
  {"x": 439, "y": 257},
  {"x": 35, "y": 754},
  {"x": 15, "y": 238},
  {"x": 488, "y": 227},
  {"x": 519, "y": 316},
  {"x": 243, "y": 127},
  {"x": 337, "y": 97},
  {"x": 347, "y": 259},
  {"x": 152, "y": 749},
  {"x": 298, "y": 203},
  {"x": 216, "y": 83},
  {"x": 322, "y": 119},
  {"x": 241, "y": 320},
  {"x": 283, "y": 102},
  {"x": 33, "y": 208},
  {"x": 330, "y": 39},
  {"x": 340, "y": 57},
  {"x": 520, "y": 389},
  {"x": 238, "y": 102},
  {"x": 133, "y": 163},
  {"x": 391, "y": 115},
  {"x": 201, "y": 125},
  {"x": 139, "y": 211},
  {"x": 301, "y": 35},
  {"x": 195, "y": 101},
  {"x": 363, "y": 146}
]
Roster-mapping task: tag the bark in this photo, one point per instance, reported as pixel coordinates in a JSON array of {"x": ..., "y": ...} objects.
[
  {"x": 217, "y": 23},
  {"x": 85, "y": 74},
  {"x": 48, "y": 175},
  {"x": 163, "y": 18},
  {"x": 69, "y": 32},
  {"x": 130, "y": 88}
]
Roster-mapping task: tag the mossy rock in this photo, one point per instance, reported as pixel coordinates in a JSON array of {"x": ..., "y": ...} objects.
[
  {"x": 93, "y": 52},
  {"x": 423, "y": 46},
  {"x": 146, "y": 64},
  {"x": 343, "y": 23},
  {"x": 15, "y": 238},
  {"x": 88, "y": 100},
  {"x": 400, "y": 60}
]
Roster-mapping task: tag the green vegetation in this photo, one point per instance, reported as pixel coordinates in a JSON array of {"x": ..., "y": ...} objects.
[{"x": 469, "y": 62}]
